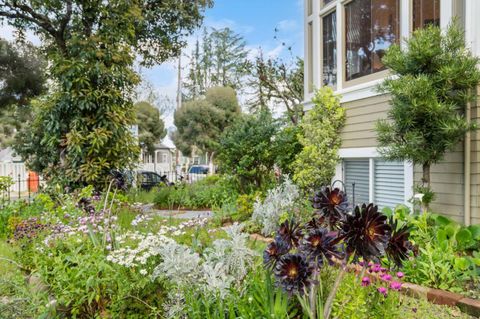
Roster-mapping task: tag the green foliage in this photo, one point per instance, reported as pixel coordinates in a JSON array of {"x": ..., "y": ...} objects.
[
  {"x": 320, "y": 138},
  {"x": 277, "y": 83},
  {"x": 210, "y": 192},
  {"x": 448, "y": 255},
  {"x": 200, "y": 122},
  {"x": 22, "y": 73},
  {"x": 357, "y": 302},
  {"x": 151, "y": 128},
  {"x": 218, "y": 60},
  {"x": 247, "y": 149},
  {"x": 81, "y": 130},
  {"x": 287, "y": 146},
  {"x": 436, "y": 76}
]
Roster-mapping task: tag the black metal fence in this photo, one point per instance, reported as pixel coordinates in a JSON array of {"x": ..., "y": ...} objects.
[{"x": 20, "y": 188}]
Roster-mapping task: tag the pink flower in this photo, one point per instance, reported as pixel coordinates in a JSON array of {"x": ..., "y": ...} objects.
[
  {"x": 400, "y": 274},
  {"x": 376, "y": 268},
  {"x": 361, "y": 263},
  {"x": 395, "y": 285},
  {"x": 383, "y": 269},
  {"x": 383, "y": 291},
  {"x": 386, "y": 277},
  {"x": 365, "y": 281}
]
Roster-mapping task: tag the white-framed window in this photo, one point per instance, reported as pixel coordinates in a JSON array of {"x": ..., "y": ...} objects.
[
  {"x": 368, "y": 178},
  {"x": 364, "y": 30}
]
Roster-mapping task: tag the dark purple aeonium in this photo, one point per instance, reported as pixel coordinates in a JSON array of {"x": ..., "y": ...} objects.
[
  {"x": 293, "y": 273},
  {"x": 289, "y": 232},
  {"x": 366, "y": 232},
  {"x": 275, "y": 250},
  {"x": 399, "y": 246},
  {"x": 320, "y": 244},
  {"x": 331, "y": 203}
]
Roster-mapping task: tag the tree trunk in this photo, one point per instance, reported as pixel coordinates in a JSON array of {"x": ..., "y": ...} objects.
[{"x": 426, "y": 175}]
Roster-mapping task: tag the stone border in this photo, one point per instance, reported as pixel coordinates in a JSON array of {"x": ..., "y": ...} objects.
[{"x": 437, "y": 296}]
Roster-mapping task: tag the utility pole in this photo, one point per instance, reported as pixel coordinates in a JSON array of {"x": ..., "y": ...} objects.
[{"x": 179, "y": 102}]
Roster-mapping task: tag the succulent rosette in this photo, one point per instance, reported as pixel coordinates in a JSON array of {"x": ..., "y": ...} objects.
[
  {"x": 366, "y": 232},
  {"x": 289, "y": 232},
  {"x": 293, "y": 273},
  {"x": 331, "y": 203},
  {"x": 320, "y": 244},
  {"x": 274, "y": 251},
  {"x": 399, "y": 246}
]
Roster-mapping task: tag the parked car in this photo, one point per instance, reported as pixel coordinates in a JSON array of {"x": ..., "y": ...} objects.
[
  {"x": 147, "y": 180},
  {"x": 197, "y": 172}
]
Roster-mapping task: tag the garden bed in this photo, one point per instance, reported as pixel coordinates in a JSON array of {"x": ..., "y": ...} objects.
[{"x": 437, "y": 296}]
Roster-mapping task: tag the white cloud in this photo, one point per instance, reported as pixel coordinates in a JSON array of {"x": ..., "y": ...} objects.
[{"x": 287, "y": 25}]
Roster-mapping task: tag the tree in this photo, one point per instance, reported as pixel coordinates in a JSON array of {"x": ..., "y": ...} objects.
[
  {"x": 151, "y": 128},
  {"x": 22, "y": 73},
  {"x": 287, "y": 146},
  {"x": 200, "y": 122},
  {"x": 247, "y": 150},
  {"x": 435, "y": 76},
  {"x": 277, "y": 83},
  {"x": 320, "y": 137},
  {"x": 218, "y": 60},
  {"x": 22, "y": 77},
  {"x": 81, "y": 131}
]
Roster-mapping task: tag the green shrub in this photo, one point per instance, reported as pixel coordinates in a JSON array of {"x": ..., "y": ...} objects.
[{"x": 210, "y": 192}]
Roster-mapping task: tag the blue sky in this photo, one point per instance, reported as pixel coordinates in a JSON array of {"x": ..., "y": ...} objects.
[{"x": 256, "y": 21}]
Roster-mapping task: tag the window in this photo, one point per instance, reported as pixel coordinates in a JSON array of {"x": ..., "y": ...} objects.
[
  {"x": 325, "y": 2},
  {"x": 329, "y": 57},
  {"x": 386, "y": 181},
  {"x": 371, "y": 26},
  {"x": 388, "y": 185},
  {"x": 310, "y": 57},
  {"x": 425, "y": 12},
  {"x": 357, "y": 180}
]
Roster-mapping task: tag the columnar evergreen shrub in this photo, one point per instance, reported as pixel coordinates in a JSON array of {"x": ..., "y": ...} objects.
[{"x": 320, "y": 137}]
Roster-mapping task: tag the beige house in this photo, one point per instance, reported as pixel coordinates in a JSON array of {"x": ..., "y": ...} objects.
[{"x": 344, "y": 44}]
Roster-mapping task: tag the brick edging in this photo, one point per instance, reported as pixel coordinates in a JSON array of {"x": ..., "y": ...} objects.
[{"x": 436, "y": 296}]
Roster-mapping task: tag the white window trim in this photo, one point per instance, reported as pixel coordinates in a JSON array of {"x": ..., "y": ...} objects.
[
  {"x": 367, "y": 89},
  {"x": 371, "y": 153}
]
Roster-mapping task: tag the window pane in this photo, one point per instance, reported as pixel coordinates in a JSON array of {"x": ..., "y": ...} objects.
[
  {"x": 329, "y": 69},
  {"x": 389, "y": 189},
  {"x": 357, "y": 173},
  {"x": 371, "y": 27},
  {"x": 325, "y": 2},
  {"x": 426, "y": 12}
]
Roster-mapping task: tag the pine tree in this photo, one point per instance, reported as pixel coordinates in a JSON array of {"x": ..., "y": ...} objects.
[{"x": 435, "y": 76}]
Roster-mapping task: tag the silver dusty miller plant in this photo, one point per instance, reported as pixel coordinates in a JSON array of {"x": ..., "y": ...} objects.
[{"x": 278, "y": 200}]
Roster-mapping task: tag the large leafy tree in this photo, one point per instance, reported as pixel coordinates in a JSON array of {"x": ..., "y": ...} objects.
[
  {"x": 22, "y": 77},
  {"x": 247, "y": 149},
  {"x": 279, "y": 84},
  {"x": 200, "y": 122},
  {"x": 22, "y": 73},
  {"x": 81, "y": 131},
  {"x": 217, "y": 60},
  {"x": 151, "y": 128},
  {"x": 435, "y": 77}
]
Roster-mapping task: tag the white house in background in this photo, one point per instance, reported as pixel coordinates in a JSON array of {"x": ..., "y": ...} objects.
[
  {"x": 344, "y": 43},
  {"x": 163, "y": 160}
]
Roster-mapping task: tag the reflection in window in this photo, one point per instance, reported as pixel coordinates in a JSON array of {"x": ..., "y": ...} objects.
[
  {"x": 329, "y": 67},
  {"x": 371, "y": 27},
  {"x": 426, "y": 12}
]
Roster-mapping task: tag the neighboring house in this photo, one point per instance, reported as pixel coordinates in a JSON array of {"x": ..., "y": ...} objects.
[
  {"x": 344, "y": 44},
  {"x": 162, "y": 160}
]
